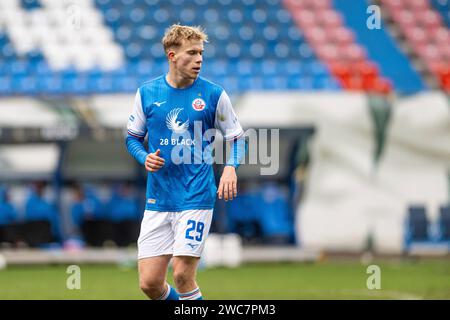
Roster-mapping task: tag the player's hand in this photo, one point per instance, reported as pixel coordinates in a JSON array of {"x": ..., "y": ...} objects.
[
  {"x": 154, "y": 162},
  {"x": 228, "y": 184}
]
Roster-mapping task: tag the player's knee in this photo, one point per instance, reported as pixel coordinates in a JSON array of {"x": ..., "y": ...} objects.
[
  {"x": 151, "y": 287},
  {"x": 182, "y": 278}
]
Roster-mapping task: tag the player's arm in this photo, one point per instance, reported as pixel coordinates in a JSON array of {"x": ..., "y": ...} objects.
[
  {"x": 228, "y": 182},
  {"x": 136, "y": 131},
  {"x": 227, "y": 123}
]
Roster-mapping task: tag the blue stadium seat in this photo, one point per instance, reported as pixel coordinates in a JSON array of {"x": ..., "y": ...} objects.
[
  {"x": 8, "y": 52},
  {"x": 18, "y": 68},
  {"x": 51, "y": 84},
  {"x": 103, "y": 84},
  {"x": 235, "y": 16},
  {"x": 282, "y": 51},
  {"x": 245, "y": 67},
  {"x": 266, "y": 209},
  {"x": 34, "y": 56},
  {"x": 275, "y": 214},
  {"x": 276, "y": 83},
  {"x": 444, "y": 223},
  {"x": 5, "y": 86},
  {"x": 417, "y": 223},
  {"x": 3, "y": 69},
  {"x": 25, "y": 85},
  {"x": 78, "y": 85},
  {"x": 30, "y": 4}
]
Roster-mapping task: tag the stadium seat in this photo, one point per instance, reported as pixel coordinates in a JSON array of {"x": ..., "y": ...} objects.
[
  {"x": 424, "y": 29},
  {"x": 444, "y": 223},
  {"x": 417, "y": 224}
]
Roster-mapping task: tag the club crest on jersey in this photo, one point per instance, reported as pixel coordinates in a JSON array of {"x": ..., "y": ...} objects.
[
  {"x": 174, "y": 124},
  {"x": 198, "y": 104}
]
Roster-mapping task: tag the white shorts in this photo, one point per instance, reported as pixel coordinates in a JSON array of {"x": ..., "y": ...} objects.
[{"x": 181, "y": 233}]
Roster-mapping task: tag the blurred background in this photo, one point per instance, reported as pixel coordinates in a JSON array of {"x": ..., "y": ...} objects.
[{"x": 359, "y": 91}]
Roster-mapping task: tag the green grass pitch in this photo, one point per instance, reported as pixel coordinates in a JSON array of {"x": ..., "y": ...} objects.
[{"x": 425, "y": 279}]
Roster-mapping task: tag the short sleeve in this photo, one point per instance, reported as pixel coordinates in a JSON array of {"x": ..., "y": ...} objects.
[
  {"x": 226, "y": 119},
  {"x": 137, "y": 126}
]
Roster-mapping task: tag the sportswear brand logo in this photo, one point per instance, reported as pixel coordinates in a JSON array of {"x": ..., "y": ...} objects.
[
  {"x": 158, "y": 104},
  {"x": 175, "y": 125},
  {"x": 192, "y": 245}
]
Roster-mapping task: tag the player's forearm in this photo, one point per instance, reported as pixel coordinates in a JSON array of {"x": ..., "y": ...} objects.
[
  {"x": 237, "y": 152},
  {"x": 136, "y": 149}
]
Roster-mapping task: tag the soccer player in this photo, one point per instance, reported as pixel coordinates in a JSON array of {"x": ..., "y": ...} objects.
[{"x": 178, "y": 111}]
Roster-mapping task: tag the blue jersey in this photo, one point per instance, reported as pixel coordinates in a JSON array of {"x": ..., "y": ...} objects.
[{"x": 182, "y": 123}]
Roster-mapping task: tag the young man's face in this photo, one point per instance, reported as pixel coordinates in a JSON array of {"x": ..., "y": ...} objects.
[{"x": 187, "y": 59}]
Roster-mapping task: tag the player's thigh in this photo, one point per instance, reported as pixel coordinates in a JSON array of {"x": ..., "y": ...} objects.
[
  {"x": 156, "y": 237},
  {"x": 153, "y": 270},
  {"x": 191, "y": 229}
]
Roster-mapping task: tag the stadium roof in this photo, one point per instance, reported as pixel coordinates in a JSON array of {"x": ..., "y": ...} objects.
[
  {"x": 28, "y": 120},
  {"x": 26, "y": 112},
  {"x": 112, "y": 111}
]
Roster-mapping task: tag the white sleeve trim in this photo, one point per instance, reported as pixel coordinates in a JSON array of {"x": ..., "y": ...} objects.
[{"x": 137, "y": 125}]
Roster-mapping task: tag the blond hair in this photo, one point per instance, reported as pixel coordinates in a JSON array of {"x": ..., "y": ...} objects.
[{"x": 176, "y": 33}]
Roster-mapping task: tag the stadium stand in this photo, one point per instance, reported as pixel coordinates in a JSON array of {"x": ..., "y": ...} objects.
[
  {"x": 119, "y": 47},
  {"x": 380, "y": 47},
  {"x": 281, "y": 45},
  {"x": 335, "y": 45},
  {"x": 426, "y": 34}
]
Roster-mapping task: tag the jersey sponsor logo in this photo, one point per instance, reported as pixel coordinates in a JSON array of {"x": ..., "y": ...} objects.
[
  {"x": 174, "y": 124},
  {"x": 198, "y": 104},
  {"x": 158, "y": 104}
]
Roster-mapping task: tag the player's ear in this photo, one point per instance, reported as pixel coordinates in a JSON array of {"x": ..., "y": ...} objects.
[{"x": 171, "y": 55}]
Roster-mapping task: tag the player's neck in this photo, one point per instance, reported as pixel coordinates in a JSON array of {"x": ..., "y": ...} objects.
[{"x": 177, "y": 81}]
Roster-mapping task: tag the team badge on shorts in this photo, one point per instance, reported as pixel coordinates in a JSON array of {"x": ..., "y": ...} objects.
[{"x": 198, "y": 104}]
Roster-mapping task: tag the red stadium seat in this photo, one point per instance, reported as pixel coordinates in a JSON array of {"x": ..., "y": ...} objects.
[
  {"x": 321, "y": 4},
  {"x": 367, "y": 69},
  {"x": 340, "y": 69},
  {"x": 305, "y": 19},
  {"x": 342, "y": 35},
  {"x": 418, "y": 4},
  {"x": 328, "y": 16},
  {"x": 328, "y": 52},
  {"x": 316, "y": 36},
  {"x": 394, "y": 5},
  {"x": 440, "y": 35},
  {"x": 383, "y": 86},
  {"x": 429, "y": 18},
  {"x": 355, "y": 52},
  {"x": 416, "y": 35}
]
